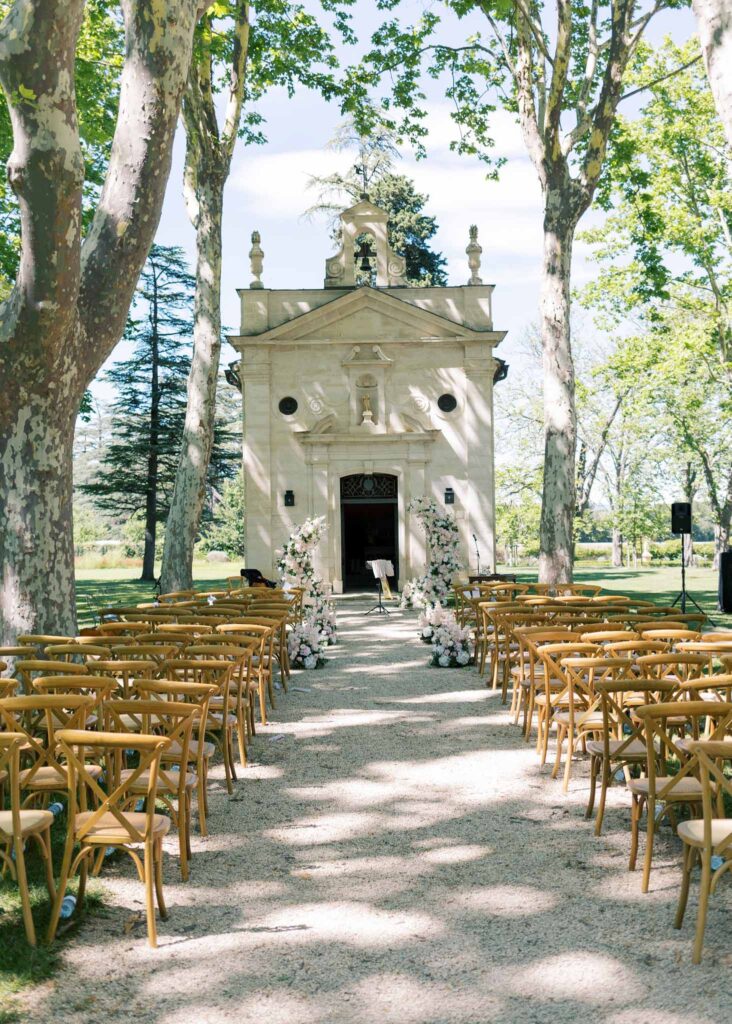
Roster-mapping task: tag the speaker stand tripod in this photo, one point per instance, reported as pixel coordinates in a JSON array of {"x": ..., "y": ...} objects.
[
  {"x": 683, "y": 596},
  {"x": 380, "y": 608}
]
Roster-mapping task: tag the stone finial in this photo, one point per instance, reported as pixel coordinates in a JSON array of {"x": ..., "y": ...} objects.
[
  {"x": 473, "y": 251},
  {"x": 256, "y": 261}
]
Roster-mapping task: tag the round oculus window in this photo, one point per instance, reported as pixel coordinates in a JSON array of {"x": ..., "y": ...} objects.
[
  {"x": 288, "y": 406},
  {"x": 447, "y": 403}
]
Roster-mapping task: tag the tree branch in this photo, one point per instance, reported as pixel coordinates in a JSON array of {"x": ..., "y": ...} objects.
[
  {"x": 158, "y": 41},
  {"x": 661, "y": 78}
]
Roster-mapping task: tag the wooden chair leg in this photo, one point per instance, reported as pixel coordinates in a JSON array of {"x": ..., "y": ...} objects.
[
  {"x": 689, "y": 859},
  {"x": 635, "y": 812},
  {"x": 603, "y": 797},
  {"x": 159, "y": 895},
  {"x": 183, "y": 831},
  {"x": 30, "y": 931},
  {"x": 202, "y": 803},
  {"x": 594, "y": 771},
  {"x": 701, "y": 917},
  {"x": 149, "y": 872},
  {"x": 650, "y": 834},
  {"x": 262, "y": 701}
]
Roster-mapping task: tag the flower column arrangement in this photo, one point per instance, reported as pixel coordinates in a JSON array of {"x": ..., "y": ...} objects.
[
  {"x": 309, "y": 639},
  {"x": 443, "y": 540}
]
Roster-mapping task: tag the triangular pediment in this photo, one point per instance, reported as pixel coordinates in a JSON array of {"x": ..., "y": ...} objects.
[{"x": 366, "y": 314}]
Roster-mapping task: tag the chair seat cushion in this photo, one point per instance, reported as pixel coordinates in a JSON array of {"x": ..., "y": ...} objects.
[
  {"x": 685, "y": 788},
  {"x": 51, "y": 778},
  {"x": 108, "y": 829},
  {"x": 32, "y": 820},
  {"x": 582, "y": 719},
  {"x": 140, "y": 785},
  {"x": 692, "y": 832},
  {"x": 174, "y": 749},
  {"x": 636, "y": 749}
]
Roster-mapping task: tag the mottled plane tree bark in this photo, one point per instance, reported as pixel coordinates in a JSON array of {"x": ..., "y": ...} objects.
[
  {"x": 714, "y": 22},
  {"x": 71, "y": 298}
]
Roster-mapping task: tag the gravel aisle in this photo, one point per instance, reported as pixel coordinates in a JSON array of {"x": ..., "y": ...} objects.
[{"x": 397, "y": 855}]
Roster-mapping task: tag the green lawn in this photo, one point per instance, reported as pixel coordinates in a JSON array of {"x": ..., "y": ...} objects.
[
  {"x": 96, "y": 588},
  {"x": 660, "y": 584}
]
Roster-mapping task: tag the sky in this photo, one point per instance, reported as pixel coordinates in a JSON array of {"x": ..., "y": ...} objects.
[{"x": 268, "y": 191}]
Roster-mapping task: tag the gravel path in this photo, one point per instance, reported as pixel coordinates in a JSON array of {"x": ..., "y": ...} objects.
[{"x": 397, "y": 855}]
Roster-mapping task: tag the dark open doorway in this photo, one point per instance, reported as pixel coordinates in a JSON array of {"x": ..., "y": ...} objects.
[{"x": 368, "y": 526}]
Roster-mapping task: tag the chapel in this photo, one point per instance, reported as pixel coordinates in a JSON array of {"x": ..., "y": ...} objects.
[{"x": 362, "y": 395}]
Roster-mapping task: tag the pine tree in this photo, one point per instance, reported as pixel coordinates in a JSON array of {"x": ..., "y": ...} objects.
[
  {"x": 137, "y": 468},
  {"x": 372, "y": 174}
]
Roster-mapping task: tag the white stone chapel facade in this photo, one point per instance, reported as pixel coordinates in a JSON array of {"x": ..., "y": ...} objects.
[{"x": 357, "y": 399}]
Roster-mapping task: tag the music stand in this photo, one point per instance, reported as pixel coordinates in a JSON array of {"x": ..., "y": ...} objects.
[{"x": 378, "y": 568}]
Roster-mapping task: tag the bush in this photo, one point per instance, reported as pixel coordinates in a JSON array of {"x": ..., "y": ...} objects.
[
  {"x": 593, "y": 553},
  {"x": 668, "y": 552}
]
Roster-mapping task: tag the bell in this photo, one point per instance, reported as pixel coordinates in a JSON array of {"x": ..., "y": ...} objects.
[{"x": 365, "y": 254}]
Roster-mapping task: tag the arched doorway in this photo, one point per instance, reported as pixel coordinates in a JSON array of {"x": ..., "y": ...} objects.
[{"x": 369, "y": 526}]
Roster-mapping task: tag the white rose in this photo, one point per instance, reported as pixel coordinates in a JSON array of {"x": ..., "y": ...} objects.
[
  {"x": 310, "y": 662},
  {"x": 444, "y": 660}
]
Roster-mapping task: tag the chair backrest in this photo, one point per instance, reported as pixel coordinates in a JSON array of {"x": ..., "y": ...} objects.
[
  {"x": 215, "y": 671},
  {"x": 606, "y": 636},
  {"x": 40, "y": 641},
  {"x": 38, "y": 717},
  {"x": 185, "y": 629},
  {"x": 671, "y": 665},
  {"x": 122, "y": 628},
  {"x": 144, "y": 653},
  {"x": 655, "y": 718},
  {"x": 32, "y": 668},
  {"x": 100, "y": 688},
  {"x": 712, "y": 756},
  {"x": 77, "y": 653},
  {"x": 7, "y": 686},
  {"x": 77, "y": 745},
  {"x": 635, "y": 648},
  {"x": 715, "y": 687},
  {"x": 619, "y": 699},
  {"x": 151, "y": 716},
  {"x": 673, "y": 636}
]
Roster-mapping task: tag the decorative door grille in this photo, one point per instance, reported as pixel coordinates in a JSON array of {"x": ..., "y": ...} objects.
[{"x": 366, "y": 486}]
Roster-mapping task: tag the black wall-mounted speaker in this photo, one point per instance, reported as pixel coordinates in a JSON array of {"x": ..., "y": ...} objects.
[{"x": 681, "y": 517}]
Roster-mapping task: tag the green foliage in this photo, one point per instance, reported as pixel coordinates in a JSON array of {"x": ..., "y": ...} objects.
[
  {"x": 226, "y": 530},
  {"x": 409, "y": 228},
  {"x": 138, "y": 464},
  {"x": 99, "y": 57},
  {"x": 518, "y": 511},
  {"x": 134, "y": 536}
]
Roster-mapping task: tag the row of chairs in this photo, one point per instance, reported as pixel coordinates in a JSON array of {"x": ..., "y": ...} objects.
[
  {"x": 121, "y": 723},
  {"x": 635, "y": 688}
]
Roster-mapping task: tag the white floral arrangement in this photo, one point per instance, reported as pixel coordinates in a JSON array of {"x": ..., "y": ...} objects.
[
  {"x": 297, "y": 570},
  {"x": 450, "y": 643},
  {"x": 305, "y": 645},
  {"x": 429, "y": 620},
  {"x": 443, "y": 540}
]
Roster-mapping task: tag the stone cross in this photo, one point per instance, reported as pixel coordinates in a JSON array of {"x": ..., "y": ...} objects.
[
  {"x": 473, "y": 251},
  {"x": 256, "y": 261}
]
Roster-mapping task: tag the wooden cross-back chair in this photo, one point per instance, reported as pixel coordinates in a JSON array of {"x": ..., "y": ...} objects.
[
  {"x": 582, "y": 718},
  {"x": 76, "y": 653},
  {"x": 38, "y": 717},
  {"x": 18, "y": 824},
  {"x": 711, "y": 687},
  {"x": 200, "y": 750},
  {"x": 239, "y": 698},
  {"x": 709, "y": 837},
  {"x": 110, "y": 823},
  {"x": 175, "y": 721},
  {"x": 100, "y": 688},
  {"x": 660, "y": 793},
  {"x": 530, "y": 641},
  {"x": 671, "y": 665},
  {"x": 40, "y": 641},
  {"x": 260, "y": 614},
  {"x": 622, "y": 741},
  {"x": 33, "y": 668},
  {"x": 262, "y": 658},
  {"x": 555, "y": 693},
  {"x": 220, "y": 725},
  {"x": 126, "y": 672}
]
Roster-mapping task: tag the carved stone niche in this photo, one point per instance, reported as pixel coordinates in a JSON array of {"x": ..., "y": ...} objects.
[
  {"x": 366, "y": 367},
  {"x": 364, "y": 219}
]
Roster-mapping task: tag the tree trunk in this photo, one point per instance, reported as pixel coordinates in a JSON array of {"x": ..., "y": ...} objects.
[
  {"x": 36, "y": 533},
  {"x": 714, "y": 22},
  {"x": 556, "y": 558},
  {"x": 190, "y": 482},
  {"x": 70, "y": 302},
  {"x": 151, "y": 489},
  {"x": 617, "y": 551}
]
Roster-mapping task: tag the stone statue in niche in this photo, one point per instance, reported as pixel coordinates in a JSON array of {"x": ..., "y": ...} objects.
[{"x": 367, "y": 415}]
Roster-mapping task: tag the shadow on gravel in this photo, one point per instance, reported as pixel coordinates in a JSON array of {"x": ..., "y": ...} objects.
[{"x": 409, "y": 862}]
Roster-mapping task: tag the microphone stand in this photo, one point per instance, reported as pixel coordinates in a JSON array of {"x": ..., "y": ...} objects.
[{"x": 477, "y": 553}]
